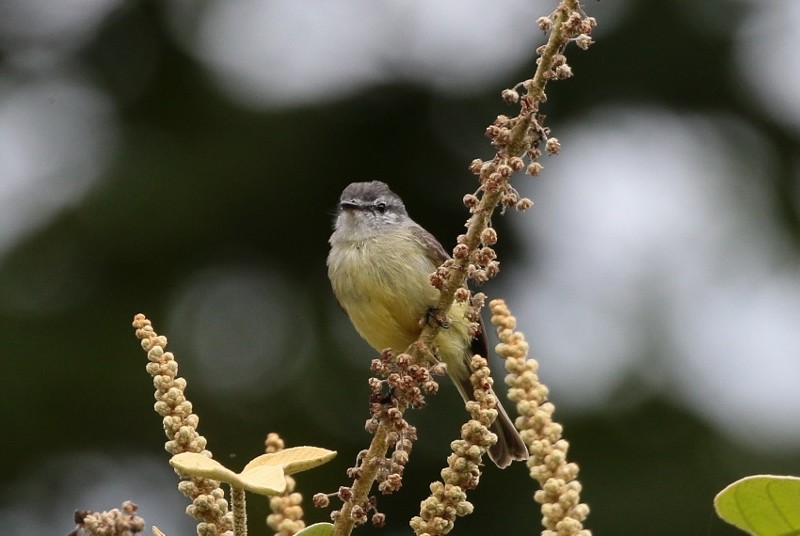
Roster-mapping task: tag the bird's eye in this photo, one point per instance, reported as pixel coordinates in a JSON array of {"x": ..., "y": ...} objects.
[{"x": 380, "y": 207}]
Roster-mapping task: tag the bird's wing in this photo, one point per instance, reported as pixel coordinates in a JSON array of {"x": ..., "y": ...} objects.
[
  {"x": 433, "y": 249},
  {"x": 438, "y": 255}
]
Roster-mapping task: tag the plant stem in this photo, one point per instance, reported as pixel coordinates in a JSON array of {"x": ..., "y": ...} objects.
[
  {"x": 377, "y": 451},
  {"x": 239, "y": 508},
  {"x": 478, "y": 222}
]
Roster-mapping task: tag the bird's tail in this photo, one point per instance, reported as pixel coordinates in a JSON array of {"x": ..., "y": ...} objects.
[{"x": 509, "y": 446}]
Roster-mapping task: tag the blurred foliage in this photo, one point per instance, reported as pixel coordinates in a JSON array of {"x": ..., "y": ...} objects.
[{"x": 198, "y": 181}]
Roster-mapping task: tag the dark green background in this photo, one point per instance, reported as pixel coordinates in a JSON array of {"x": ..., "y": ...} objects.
[{"x": 199, "y": 181}]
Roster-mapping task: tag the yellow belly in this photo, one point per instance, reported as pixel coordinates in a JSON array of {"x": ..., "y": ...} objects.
[
  {"x": 382, "y": 283},
  {"x": 384, "y": 291}
]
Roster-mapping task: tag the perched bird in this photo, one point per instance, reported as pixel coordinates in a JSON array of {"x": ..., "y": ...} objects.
[{"x": 379, "y": 267}]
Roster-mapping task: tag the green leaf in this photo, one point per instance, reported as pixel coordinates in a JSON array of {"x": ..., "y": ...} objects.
[
  {"x": 318, "y": 529},
  {"x": 762, "y": 505}
]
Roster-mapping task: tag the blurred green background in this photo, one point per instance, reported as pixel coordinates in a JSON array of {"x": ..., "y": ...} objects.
[{"x": 184, "y": 159}]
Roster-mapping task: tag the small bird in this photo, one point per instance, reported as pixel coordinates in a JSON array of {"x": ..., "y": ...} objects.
[{"x": 379, "y": 267}]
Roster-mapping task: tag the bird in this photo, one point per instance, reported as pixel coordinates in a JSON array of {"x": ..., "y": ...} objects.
[{"x": 379, "y": 265}]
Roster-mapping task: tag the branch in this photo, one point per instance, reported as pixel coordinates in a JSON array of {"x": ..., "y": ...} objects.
[{"x": 473, "y": 258}]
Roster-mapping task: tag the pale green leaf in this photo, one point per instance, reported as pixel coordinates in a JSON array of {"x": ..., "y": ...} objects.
[
  {"x": 264, "y": 475},
  {"x": 264, "y": 480},
  {"x": 292, "y": 460},
  {"x": 318, "y": 529},
  {"x": 762, "y": 505},
  {"x": 267, "y": 480},
  {"x": 195, "y": 464}
]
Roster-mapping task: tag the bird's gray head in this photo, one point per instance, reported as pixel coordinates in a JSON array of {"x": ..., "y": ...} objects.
[{"x": 368, "y": 208}]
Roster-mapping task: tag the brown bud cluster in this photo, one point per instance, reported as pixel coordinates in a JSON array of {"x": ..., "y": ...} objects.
[
  {"x": 576, "y": 28},
  {"x": 441, "y": 276},
  {"x": 524, "y": 204},
  {"x": 399, "y": 383},
  {"x": 534, "y": 168},
  {"x": 583, "y": 41},
  {"x": 500, "y": 131},
  {"x": 563, "y": 71},
  {"x": 489, "y": 237},
  {"x": 461, "y": 251},
  {"x": 510, "y": 96},
  {"x": 545, "y": 23},
  {"x": 461, "y": 295},
  {"x": 481, "y": 275},
  {"x": 378, "y": 520},
  {"x": 470, "y": 201},
  {"x": 358, "y": 514},
  {"x": 321, "y": 500},
  {"x": 553, "y": 146},
  {"x": 516, "y": 163},
  {"x": 484, "y": 255}
]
